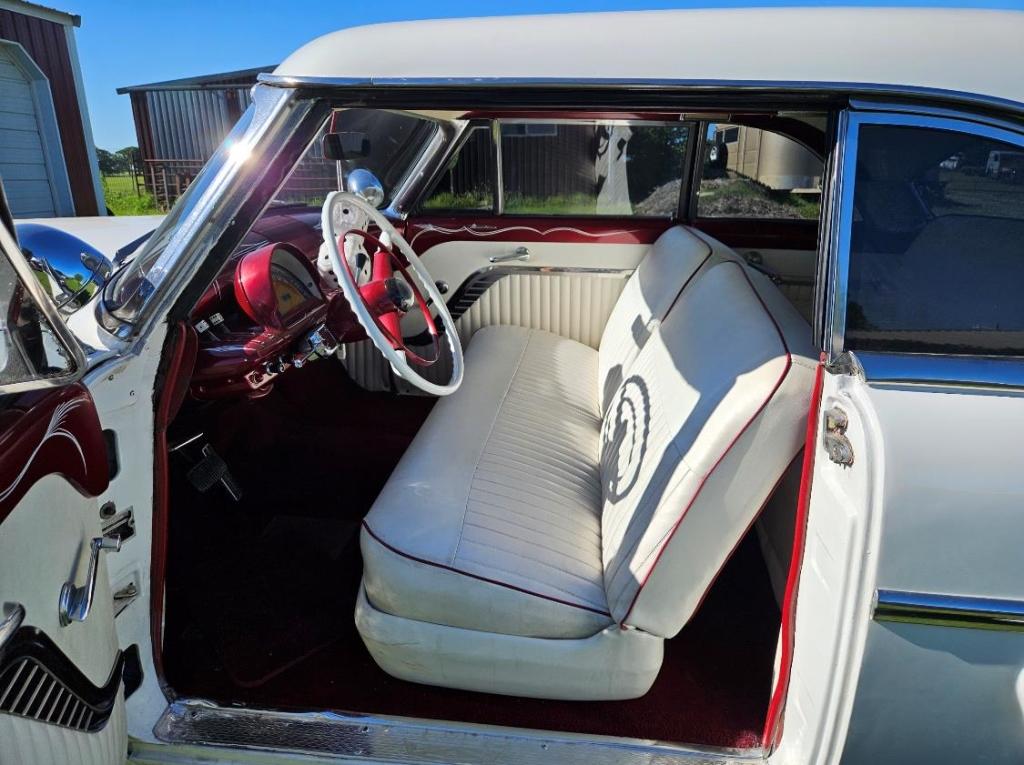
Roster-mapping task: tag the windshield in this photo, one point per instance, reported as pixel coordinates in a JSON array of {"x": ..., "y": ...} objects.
[{"x": 273, "y": 155}]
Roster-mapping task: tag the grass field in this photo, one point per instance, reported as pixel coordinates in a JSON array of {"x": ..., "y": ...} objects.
[{"x": 123, "y": 197}]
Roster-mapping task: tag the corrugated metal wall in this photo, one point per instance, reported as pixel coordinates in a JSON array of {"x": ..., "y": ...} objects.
[
  {"x": 186, "y": 124},
  {"x": 46, "y": 42}
]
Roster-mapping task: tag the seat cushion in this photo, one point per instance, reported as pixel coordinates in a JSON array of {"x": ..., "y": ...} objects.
[{"x": 491, "y": 521}]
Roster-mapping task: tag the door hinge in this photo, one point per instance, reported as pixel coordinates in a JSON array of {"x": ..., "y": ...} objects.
[{"x": 834, "y": 439}]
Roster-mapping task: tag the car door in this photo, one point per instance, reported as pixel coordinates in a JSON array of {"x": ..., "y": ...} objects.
[
  {"x": 907, "y": 639},
  {"x": 61, "y": 670},
  {"x": 539, "y": 223}
]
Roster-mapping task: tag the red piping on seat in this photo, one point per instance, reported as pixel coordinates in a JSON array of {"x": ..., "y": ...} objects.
[
  {"x": 760, "y": 409},
  {"x": 746, "y": 531},
  {"x": 773, "y": 721},
  {"x": 480, "y": 578}
]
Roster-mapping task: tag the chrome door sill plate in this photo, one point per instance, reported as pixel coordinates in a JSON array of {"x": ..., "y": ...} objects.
[{"x": 408, "y": 740}]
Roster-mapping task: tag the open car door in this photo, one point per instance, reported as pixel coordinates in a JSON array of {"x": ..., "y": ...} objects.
[{"x": 61, "y": 671}]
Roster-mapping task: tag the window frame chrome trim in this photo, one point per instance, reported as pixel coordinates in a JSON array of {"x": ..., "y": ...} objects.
[
  {"x": 273, "y": 126},
  {"x": 842, "y": 201},
  {"x": 943, "y": 610},
  {"x": 852, "y": 89},
  {"x": 429, "y": 163}
]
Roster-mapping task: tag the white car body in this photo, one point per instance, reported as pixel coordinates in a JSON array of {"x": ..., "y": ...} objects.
[{"x": 907, "y": 636}]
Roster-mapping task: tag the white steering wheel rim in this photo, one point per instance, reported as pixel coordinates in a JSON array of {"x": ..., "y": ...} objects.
[{"x": 348, "y": 286}]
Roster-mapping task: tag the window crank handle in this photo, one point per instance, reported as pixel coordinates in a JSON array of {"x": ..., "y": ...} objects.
[{"x": 76, "y": 602}]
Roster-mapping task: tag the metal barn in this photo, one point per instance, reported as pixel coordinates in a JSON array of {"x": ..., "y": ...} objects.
[
  {"x": 179, "y": 124},
  {"x": 47, "y": 158}
]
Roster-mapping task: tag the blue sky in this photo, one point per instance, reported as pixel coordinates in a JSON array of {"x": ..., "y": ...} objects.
[{"x": 128, "y": 42}]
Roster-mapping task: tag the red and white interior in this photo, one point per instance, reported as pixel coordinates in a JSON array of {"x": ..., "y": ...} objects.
[{"x": 592, "y": 534}]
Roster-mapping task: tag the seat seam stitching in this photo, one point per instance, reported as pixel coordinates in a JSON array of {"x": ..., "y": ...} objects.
[
  {"x": 756, "y": 416},
  {"x": 483, "y": 445}
]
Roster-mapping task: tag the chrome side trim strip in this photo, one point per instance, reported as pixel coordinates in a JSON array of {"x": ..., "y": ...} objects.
[
  {"x": 961, "y": 611},
  {"x": 927, "y": 369},
  {"x": 406, "y": 740},
  {"x": 761, "y": 86}
]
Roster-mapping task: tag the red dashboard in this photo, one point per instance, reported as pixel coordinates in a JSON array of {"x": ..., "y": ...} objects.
[{"x": 254, "y": 320}]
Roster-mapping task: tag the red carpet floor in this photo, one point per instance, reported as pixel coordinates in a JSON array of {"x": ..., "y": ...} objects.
[{"x": 321, "y": 449}]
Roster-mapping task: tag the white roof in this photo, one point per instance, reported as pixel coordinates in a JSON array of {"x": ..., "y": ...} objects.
[{"x": 971, "y": 51}]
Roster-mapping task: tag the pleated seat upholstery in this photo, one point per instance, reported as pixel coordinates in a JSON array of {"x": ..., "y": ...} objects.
[{"x": 566, "y": 510}]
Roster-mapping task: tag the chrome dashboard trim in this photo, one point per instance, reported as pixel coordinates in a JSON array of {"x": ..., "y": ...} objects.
[
  {"x": 371, "y": 738},
  {"x": 927, "y": 369},
  {"x": 958, "y": 611}
]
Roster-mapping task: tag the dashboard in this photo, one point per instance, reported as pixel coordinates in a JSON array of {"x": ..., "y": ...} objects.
[{"x": 267, "y": 308}]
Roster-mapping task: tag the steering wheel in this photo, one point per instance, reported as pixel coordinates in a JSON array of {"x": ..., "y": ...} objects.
[{"x": 380, "y": 304}]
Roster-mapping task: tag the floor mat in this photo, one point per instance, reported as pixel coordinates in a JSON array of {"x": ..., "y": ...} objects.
[
  {"x": 268, "y": 605},
  {"x": 322, "y": 450}
]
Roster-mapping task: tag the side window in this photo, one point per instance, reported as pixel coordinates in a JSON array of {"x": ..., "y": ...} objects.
[
  {"x": 569, "y": 168},
  {"x": 936, "y": 243},
  {"x": 592, "y": 169},
  {"x": 753, "y": 173},
  {"x": 29, "y": 348},
  {"x": 468, "y": 183}
]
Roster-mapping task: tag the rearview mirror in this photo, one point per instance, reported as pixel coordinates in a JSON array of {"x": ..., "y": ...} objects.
[{"x": 342, "y": 146}]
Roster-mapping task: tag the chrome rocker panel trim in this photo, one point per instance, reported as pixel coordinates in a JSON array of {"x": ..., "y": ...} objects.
[
  {"x": 406, "y": 740},
  {"x": 960, "y": 611}
]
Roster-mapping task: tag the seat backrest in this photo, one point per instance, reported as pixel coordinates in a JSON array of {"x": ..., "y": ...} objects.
[
  {"x": 709, "y": 412},
  {"x": 652, "y": 289}
]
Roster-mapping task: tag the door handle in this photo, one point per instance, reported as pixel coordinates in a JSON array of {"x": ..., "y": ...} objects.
[
  {"x": 521, "y": 253},
  {"x": 13, "y": 616},
  {"x": 76, "y": 602}
]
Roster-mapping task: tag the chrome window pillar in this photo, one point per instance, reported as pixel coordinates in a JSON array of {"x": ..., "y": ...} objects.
[
  {"x": 142, "y": 294},
  {"x": 499, "y": 170}
]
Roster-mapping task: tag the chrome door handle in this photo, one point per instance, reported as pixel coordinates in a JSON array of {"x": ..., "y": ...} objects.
[
  {"x": 521, "y": 253},
  {"x": 13, "y": 616},
  {"x": 76, "y": 602}
]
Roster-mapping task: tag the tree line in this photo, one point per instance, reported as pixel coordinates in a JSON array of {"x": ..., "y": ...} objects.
[{"x": 126, "y": 160}]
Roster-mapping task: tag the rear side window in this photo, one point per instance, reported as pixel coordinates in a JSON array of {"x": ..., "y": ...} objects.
[
  {"x": 568, "y": 169},
  {"x": 753, "y": 173},
  {"x": 937, "y": 243}
]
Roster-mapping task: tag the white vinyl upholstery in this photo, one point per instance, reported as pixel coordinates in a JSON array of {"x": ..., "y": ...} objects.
[
  {"x": 564, "y": 494},
  {"x": 573, "y": 305},
  {"x": 500, "y": 485},
  {"x": 647, "y": 297}
]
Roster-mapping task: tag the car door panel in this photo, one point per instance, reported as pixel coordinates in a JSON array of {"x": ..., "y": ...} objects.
[
  {"x": 568, "y": 282},
  {"x": 61, "y": 668},
  {"x": 949, "y": 527},
  {"x": 51, "y": 431}
]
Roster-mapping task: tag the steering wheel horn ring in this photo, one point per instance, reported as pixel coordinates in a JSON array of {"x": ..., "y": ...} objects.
[{"x": 380, "y": 304}]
